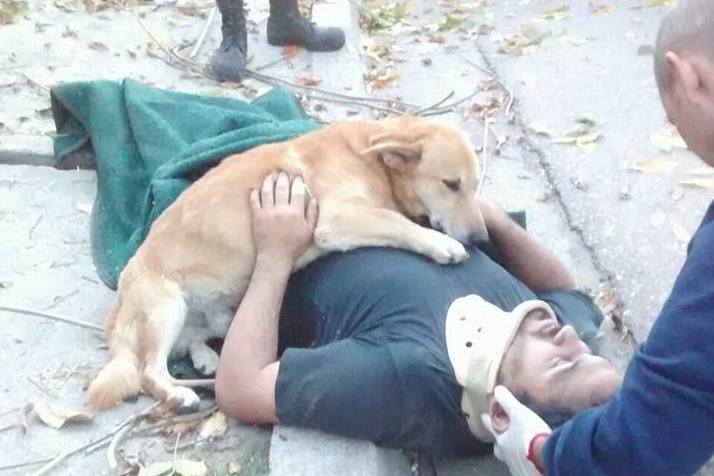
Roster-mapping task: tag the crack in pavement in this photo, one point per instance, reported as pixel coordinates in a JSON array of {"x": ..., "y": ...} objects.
[{"x": 607, "y": 277}]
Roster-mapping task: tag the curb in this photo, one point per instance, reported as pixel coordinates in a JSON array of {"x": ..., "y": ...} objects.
[
  {"x": 26, "y": 149},
  {"x": 299, "y": 452}
]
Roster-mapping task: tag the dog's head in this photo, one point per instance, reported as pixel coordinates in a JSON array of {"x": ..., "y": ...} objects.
[{"x": 434, "y": 175}]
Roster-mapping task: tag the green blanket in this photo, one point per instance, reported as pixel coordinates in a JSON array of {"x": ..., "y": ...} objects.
[{"x": 150, "y": 145}]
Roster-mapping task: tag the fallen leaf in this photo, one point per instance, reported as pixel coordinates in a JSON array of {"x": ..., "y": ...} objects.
[
  {"x": 66, "y": 6},
  {"x": 183, "y": 467},
  {"x": 535, "y": 30},
  {"x": 216, "y": 425},
  {"x": 653, "y": 166},
  {"x": 587, "y": 141},
  {"x": 191, "y": 9},
  {"x": 233, "y": 468},
  {"x": 307, "y": 81},
  {"x": 658, "y": 3},
  {"x": 450, "y": 22},
  {"x": 290, "y": 52},
  {"x": 53, "y": 415},
  {"x": 584, "y": 134},
  {"x": 98, "y": 46},
  {"x": 558, "y": 13},
  {"x": 701, "y": 171},
  {"x": 383, "y": 80},
  {"x": 601, "y": 8},
  {"x": 698, "y": 182},
  {"x": 667, "y": 139},
  {"x": 9, "y": 9},
  {"x": 532, "y": 33},
  {"x": 383, "y": 17}
]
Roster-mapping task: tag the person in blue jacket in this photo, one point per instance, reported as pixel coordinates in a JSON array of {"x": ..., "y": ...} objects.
[{"x": 661, "y": 420}]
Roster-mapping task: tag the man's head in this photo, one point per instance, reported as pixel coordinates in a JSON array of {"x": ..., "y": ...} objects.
[
  {"x": 543, "y": 364},
  {"x": 550, "y": 370},
  {"x": 684, "y": 67}
]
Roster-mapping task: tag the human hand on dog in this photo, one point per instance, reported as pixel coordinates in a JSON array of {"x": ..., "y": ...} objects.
[{"x": 284, "y": 218}]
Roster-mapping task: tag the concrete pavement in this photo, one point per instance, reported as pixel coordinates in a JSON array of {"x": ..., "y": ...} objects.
[{"x": 622, "y": 232}]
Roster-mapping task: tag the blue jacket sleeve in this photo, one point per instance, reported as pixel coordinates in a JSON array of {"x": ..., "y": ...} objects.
[{"x": 661, "y": 421}]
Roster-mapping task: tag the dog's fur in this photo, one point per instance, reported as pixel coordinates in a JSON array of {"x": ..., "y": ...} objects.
[{"x": 186, "y": 280}]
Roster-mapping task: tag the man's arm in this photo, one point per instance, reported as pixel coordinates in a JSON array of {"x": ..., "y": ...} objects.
[
  {"x": 248, "y": 366},
  {"x": 522, "y": 255}
]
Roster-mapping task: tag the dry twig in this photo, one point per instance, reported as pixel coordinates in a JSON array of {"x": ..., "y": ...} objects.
[
  {"x": 114, "y": 443},
  {"x": 68, "y": 320},
  {"x": 96, "y": 443},
  {"x": 27, "y": 463},
  {"x": 493, "y": 76},
  {"x": 200, "y": 382},
  {"x": 435, "y": 105},
  {"x": 204, "y": 32},
  {"x": 484, "y": 156}
]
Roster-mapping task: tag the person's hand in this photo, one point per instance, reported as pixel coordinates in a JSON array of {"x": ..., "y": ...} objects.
[
  {"x": 284, "y": 218},
  {"x": 515, "y": 445}
]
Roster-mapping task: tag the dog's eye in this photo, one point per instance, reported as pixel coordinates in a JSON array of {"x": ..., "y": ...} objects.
[{"x": 453, "y": 185}]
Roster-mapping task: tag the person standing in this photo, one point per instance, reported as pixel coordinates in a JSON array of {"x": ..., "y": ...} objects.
[{"x": 285, "y": 27}]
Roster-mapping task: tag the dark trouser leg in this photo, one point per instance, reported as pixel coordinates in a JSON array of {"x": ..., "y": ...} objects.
[
  {"x": 287, "y": 27},
  {"x": 230, "y": 58}
]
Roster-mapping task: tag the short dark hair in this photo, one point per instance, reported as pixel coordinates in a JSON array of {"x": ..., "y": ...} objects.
[
  {"x": 551, "y": 414},
  {"x": 689, "y": 26}
]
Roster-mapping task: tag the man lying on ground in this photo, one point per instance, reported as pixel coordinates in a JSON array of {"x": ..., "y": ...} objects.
[{"x": 380, "y": 359}]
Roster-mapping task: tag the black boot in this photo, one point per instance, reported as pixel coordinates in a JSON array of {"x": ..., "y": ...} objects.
[
  {"x": 230, "y": 58},
  {"x": 287, "y": 27}
]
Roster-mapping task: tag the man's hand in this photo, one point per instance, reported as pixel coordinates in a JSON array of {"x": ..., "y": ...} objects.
[
  {"x": 517, "y": 446},
  {"x": 284, "y": 218}
]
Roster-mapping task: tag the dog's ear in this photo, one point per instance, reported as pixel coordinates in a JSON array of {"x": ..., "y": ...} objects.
[{"x": 396, "y": 150}]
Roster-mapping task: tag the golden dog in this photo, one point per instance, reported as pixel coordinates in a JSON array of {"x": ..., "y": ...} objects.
[{"x": 373, "y": 180}]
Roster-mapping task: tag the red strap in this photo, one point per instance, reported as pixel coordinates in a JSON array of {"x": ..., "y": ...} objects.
[{"x": 531, "y": 445}]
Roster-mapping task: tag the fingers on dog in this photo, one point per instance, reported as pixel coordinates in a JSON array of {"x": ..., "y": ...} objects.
[
  {"x": 312, "y": 213},
  {"x": 267, "y": 191},
  {"x": 254, "y": 200},
  {"x": 297, "y": 193},
  {"x": 282, "y": 189}
]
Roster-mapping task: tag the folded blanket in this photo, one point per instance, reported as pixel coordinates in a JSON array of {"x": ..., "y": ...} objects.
[{"x": 150, "y": 145}]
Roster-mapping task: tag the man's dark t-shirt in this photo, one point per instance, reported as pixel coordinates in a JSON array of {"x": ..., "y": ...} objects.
[{"x": 377, "y": 367}]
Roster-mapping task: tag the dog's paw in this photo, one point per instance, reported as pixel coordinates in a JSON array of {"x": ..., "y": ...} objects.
[
  {"x": 183, "y": 400},
  {"x": 204, "y": 359},
  {"x": 444, "y": 249}
]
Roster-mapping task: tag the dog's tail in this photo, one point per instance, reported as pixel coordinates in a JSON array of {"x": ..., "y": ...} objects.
[{"x": 120, "y": 378}]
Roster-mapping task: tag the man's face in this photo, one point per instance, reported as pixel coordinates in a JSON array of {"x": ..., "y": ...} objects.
[
  {"x": 688, "y": 99},
  {"x": 554, "y": 369}
]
